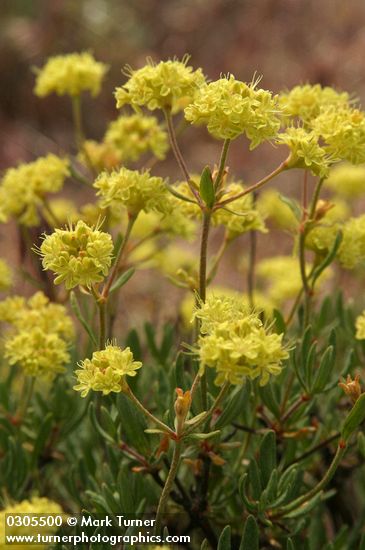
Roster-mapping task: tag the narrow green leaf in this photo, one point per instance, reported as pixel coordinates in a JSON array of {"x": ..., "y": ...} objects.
[
  {"x": 324, "y": 371},
  {"x": 267, "y": 456},
  {"x": 122, "y": 279},
  {"x": 355, "y": 417},
  {"x": 207, "y": 192},
  {"x": 293, "y": 205},
  {"x": 77, "y": 311},
  {"x": 224, "y": 542},
  {"x": 250, "y": 536},
  {"x": 328, "y": 259},
  {"x": 279, "y": 322}
]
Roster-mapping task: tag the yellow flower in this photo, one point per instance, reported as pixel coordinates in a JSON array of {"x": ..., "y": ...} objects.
[
  {"x": 133, "y": 190},
  {"x": 70, "y": 74},
  {"x": 78, "y": 256},
  {"x": 352, "y": 247},
  {"x": 37, "y": 352},
  {"x": 347, "y": 181},
  {"x": 34, "y": 506},
  {"x": 343, "y": 131},
  {"x": 305, "y": 151},
  {"x": 306, "y": 102},
  {"x": 236, "y": 344},
  {"x": 136, "y": 134},
  {"x": 106, "y": 371},
  {"x": 168, "y": 85},
  {"x": 64, "y": 211},
  {"x": 230, "y": 108},
  {"x": 23, "y": 189}
]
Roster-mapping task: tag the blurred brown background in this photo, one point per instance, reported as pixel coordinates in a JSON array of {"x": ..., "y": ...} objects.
[{"x": 287, "y": 41}]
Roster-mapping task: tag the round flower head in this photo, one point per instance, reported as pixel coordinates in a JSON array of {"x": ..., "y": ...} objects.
[
  {"x": 347, "y": 180},
  {"x": 236, "y": 344},
  {"x": 168, "y": 85},
  {"x": 240, "y": 216},
  {"x": 35, "y": 506},
  {"x": 320, "y": 239},
  {"x": 133, "y": 190},
  {"x": 106, "y": 371},
  {"x": 305, "y": 151},
  {"x": 343, "y": 131},
  {"x": 80, "y": 255},
  {"x": 23, "y": 189},
  {"x": 5, "y": 276},
  {"x": 70, "y": 74},
  {"x": 230, "y": 108},
  {"x": 37, "y": 352},
  {"x": 134, "y": 135},
  {"x": 305, "y": 102}
]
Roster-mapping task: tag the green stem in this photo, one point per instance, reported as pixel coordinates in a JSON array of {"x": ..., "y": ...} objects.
[
  {"x": 178, "y": 155},
  {"x": 26, "y": 396},
  {"x": 50, "y": 212},
  {"x": 222, "y": 164},
  {"x": 303, "y": 274},
  {"x": 203, "y": 287},
  {"x": 148, "y": 414},
  {"x": 217, "y": 259},
  {"x": 113, "y": 274},
  {"x": 102, "y": 324},
  {"x": 168, "y": 486},
  {"x": 282, "y": 166},
  {"x": 77, "y": 118},
  {"x": 315, "y": 198},
  {"x": 341, "y": 449}
]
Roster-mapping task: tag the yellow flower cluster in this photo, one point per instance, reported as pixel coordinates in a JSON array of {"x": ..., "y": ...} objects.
[
  {"x": 360, "y": 327},
  {"x": 35, "y": 506},
  {"x": 41, "y": 332},
  {"x": 305, "y": 151},
  {"x": 177, "y": 262},
  {"x": 168, "y": 85},
  {"x": 106, "y": 371},
  {"x": 80, "y": 255},
  {"x": 70, "y": 74},
  {"x": 306, "y": 102},
  {"x": 230, "y": 108},
  {"x": 134, "y": 135},
  {"x": 241, "y": 215},
  {"x": 23, "y": 189},
  {"x": 133, "y": 190},
  {"x": 236, "y": 344},
  {"x": 347, "y": 181},
  {"x": 6, "y": 276}
]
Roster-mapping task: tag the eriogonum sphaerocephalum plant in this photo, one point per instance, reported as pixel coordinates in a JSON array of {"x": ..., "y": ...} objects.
[{"x": 232, "y": 410}]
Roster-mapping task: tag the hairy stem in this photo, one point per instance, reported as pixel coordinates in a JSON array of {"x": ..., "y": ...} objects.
[
  {"x": 209, "y": 413},
  {"x": 148, "y": 414},
  {"x": 168, "y": 486},
  {"x": 222, "y": 164},
  {"x": 203, "y": 287}
]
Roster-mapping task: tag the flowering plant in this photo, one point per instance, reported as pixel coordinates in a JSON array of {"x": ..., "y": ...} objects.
[{"x": 244, "y": 412}]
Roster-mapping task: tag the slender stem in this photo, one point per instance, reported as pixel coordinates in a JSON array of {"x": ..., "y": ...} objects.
[
  {"x": 315, "y": 198},
  {"x": 315, "y": 449},
  {"x": 252, "y": 262},
  {"x": 302, "y": 399},
  {"x": 303, "y": 274},
  {"x": 149, "y": 415},
  {"x": 102, "y": 323},
  {"x": 203, "y": 286},
  {"x": 341, "y": 449},
  {"x": 178, "y": 155},
  {"x": 217, "y": 259},
  {"x": 108, "y": 284},
  {"x": 168, "y": 486},
  {"x": 209, "y": 413},
  {"x": 76, "y": 113},
  {"x": 282, "y": 166},
  {"x": 222, "y": 164}
]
